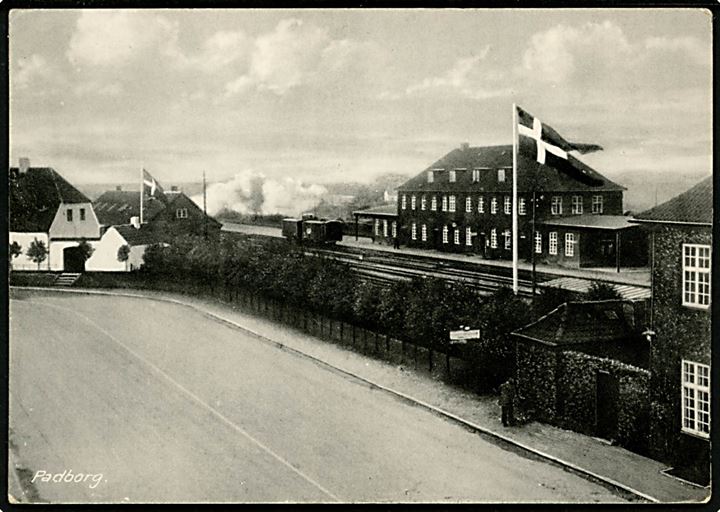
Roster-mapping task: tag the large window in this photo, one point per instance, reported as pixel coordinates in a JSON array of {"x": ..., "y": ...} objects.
[
  {"x": 597, "y": 204},
  {"x": 456, "y": 236},
  {"x": 423, "y": 203},
  {"x": 570, "y": 244},
  {"x": 412, "y": 202},
  {"x": 493, "y": 238},
  {"x": 468, "y": 236},
  {"x": 452, "y": 176},
  {"x": 577, "y": 205},
  {"x": 451, "y": 204},
  {"x": 696, "y": 398},
  {"x": 394, "y": 229},
  {"x": 433, "y": 203},
  {"x": 556, "y": 205},
  {"x": 385, "y": 228},
  {"x": 445, "y": 234},
  {"x": 468, "y": 204},
  {"x": 493, "y": 205},
  {"x": 522, "y": 210},
  {"x": 481, "y": 204},
  {"x": 68, "y": 214},
  {"x": 377, "y": 227},
  {"x": 403, "y": 202},
  {"x": 423, "y": 232},
  {"x": 538, "y": 242},
  {"x": 444, "y": 203},
  {"x": 507, "y": 205},
  {"x": 696, "y": 275},
  {"x": 508, "y": 239},
  {"x": 413, "y": 231},
  {"x": 552, "y": 242}
]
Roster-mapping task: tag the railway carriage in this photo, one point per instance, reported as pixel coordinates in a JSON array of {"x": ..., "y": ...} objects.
[{"x": 313, "y": 231}]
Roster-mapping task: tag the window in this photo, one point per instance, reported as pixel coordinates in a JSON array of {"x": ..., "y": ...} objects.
[
  {"x": 412, "y": 202},
  {"x": 423, "y": 203},
  {"x": 521, "y": 206},
  {"x": 456, "y": 236},
  {"x": 431, "y": 177},
  {"x": 538, "y": 242},
  {"x": 423, "y": 232},
  {"x": 181, "y": 213},
  {"x": 68, "y": 213},
  {"x": 493, "y": 205},
  {"x": 413, "y": 231},
  {"x": 696, "y": 275},
  {"x": 451, "y": 205},
  {"x": 385, "y": 228},
  {"x": 82, "y": 213},
  {"x": 468, "y": 204},
  {"x": 507, "y": 205},
  {"x": 394, "y": 229},
  {"x": 476, "y": 175},
  {"x": 377, "y": 227},
  {"x": 501, "y": 175},
  {"x": 468, "y": 236},
  {"x": 695, "y": 398},
  {"x": 577, "y": 205},
  {"x": 433, "y": 203},
  {"x": 597, "y": 204},
  {"x": 556, "y": 205},
  {"x": 481, "y": 204},
  {"x": 452, "y": 176},
  {"x": 403, "y": 202},
  {"x": 570, "y": 244},
  {"x": 445, "y": 234},
  {"x": 493, "y": 238},
  {"x": 552, "y": 244},
  {"x": 444, "y": 203},
  {"x": 508, "y": 239}
]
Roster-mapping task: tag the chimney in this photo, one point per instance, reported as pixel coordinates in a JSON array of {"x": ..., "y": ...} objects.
[
  {"x": 173, "y": 188},
  {"x": 465, "y": 146},
  {"x": 118, "y": 188},
  {"x": 135, "y": 221},
  {"x": 23, "y": 164}
]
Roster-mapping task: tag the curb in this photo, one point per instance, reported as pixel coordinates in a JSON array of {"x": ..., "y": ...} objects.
[{"x": 408, "y": 398}]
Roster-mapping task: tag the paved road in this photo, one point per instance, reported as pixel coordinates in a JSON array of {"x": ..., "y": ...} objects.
[{"x": 169, "y": 405}]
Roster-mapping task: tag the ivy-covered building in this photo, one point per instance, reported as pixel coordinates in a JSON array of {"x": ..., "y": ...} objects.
[
  {"x": 681, "y": 260},
  {"x": 463, "y": 203}
]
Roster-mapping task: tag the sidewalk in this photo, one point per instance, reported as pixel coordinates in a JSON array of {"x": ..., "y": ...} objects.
[{"x": 569, "y": 449}]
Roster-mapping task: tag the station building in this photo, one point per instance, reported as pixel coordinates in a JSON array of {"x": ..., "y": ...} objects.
[{"x": 463, "y": 203}]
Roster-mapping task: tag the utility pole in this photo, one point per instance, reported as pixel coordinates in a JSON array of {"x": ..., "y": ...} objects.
[
  {"x": 532, "y": 241},
  {"x": 205, "y": 233}
]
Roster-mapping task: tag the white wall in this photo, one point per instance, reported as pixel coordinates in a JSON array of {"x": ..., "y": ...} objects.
[
  {"x": 22, "y": 262},
  {"x": 62, "y": 228},
  {"x": 104, "y": 259}
]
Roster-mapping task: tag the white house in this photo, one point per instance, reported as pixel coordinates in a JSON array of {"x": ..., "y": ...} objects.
[{"x": 135, "y": 236}]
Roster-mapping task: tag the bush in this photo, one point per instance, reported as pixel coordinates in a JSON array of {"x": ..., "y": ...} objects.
[{"x": 602, "y": 291}]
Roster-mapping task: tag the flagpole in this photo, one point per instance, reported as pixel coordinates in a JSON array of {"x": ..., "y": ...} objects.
[
  {"x": 514, "y": 202},
  {"x": 142, "y": 186}
]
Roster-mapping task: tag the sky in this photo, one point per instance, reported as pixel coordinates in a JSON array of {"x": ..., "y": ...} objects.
[{"x": 346, "y": 95}]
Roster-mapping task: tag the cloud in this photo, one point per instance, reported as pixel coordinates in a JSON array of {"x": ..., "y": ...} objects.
[
  {"x": 686, "y": 47},
  {"x": 33, "y": 71}
]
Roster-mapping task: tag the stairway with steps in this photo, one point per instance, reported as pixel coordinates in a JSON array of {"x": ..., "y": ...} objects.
[{"x": 66, "y": 279}]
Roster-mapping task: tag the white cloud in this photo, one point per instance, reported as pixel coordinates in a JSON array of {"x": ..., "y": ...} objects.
[
  {"x": 32, "y": 70},
  {"x": 689, "y": 47}
]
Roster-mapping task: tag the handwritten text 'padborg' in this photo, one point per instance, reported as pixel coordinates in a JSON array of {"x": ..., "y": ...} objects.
[{"x": 68, "y": 477}]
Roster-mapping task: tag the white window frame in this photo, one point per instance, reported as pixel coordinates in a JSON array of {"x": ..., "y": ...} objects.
[
  {"x": 597, "y": 204},
  {"x": 695, "y": 398},
  {"x": 493, "y": 238},
  {"x": 481, "y": 204},
  {"x": 451, "y": 203},
  {"x": 501, "y": 175},
  {"x": 394, "y": 229},
  {"x": 696, "y": 278},
  {"x": 553, "y": 243},
  {"x": 444, "y": 203},
  {"x": 433, "y": 203},
  {"x": 423, "y": 232},
  {"x": 475, "y": 175},
  {"x": 456, "y": 236},
  {"x": 385, "y": 228},
  {"x": 507, "y": 205},
  {"x": 538, "y": 242},
  {"x": 452, "y": 176},
  {"x": 423, "y": 203},
  {"x": 403, "y": 202},
  {"x": 181, "y": 213},
  {"x": 522, "y": 210},
  {"x": 508, "y": 239},
  {"x": 468, "y": 236},
  {"x": 413, "y": 231},
  {"x": 570, "y": 245},
  {"x": 377, "y": 227},
  {"x": 556, "y": 205},
  {"x": 493, "y": 205},
  {"x": 445, "y": 231},
  {"x": 468, "y": 204},
  {"x": 577, "y": 205},
  {"x": 431, "y": 176},
  {"x": 413, "y": 202}
]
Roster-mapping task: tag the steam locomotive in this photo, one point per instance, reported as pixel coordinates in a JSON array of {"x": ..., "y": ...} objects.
[{"x": 311, "y": 230}]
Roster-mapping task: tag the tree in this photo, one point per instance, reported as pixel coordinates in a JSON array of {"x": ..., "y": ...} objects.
[
  {"x": 14, "y": 251},
  {"x": 123, "y": 254},
  {"x": 37, "y": 251},
  {"x": 603, "y": 291},
  {"x": 86, "y": 250}
]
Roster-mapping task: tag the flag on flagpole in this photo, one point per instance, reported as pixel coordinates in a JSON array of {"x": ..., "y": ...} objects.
[
  {"x": 151, "y": 187},
  {"x": 550, "y": 148}
]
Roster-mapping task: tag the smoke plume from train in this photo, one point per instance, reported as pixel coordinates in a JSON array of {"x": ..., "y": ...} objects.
[{"x": 250, "y": 192}]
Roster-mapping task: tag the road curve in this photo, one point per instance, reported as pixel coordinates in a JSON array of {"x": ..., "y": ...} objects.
[{"x": 170, "y": 406}]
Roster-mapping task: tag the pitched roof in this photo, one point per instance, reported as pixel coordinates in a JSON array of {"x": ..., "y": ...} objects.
[
  {"x": 607, "y": 222},
  {"x": 385, "y": 210},
  {"x": 694, "y": 206},
  {"x": 145, "y": 235},
  {"x": 117, "y": 207},
  {"x": 582, "y": 322},
  {"x": 490, "y": 158},
  {"x": 35, "y": 196}
]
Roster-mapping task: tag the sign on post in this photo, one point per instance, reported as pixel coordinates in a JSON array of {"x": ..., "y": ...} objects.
[{"x": 461, "y": 337}]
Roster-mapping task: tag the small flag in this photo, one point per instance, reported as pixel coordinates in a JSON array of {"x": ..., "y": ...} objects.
[
  {"x": 152, "y": 188},
  {"x": 551, "y": 148}
]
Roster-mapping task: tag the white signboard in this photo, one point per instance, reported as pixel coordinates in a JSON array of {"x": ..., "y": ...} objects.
[{"x": 463, "y": 336}]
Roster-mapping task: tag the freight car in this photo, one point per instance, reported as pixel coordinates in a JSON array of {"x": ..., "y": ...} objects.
[{"x": 313, "y": 231}]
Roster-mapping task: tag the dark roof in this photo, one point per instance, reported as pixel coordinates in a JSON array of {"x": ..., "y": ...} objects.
[
  {"x": 491, "y": 158},
  {"x": 582, "y": 322},
  {"x": 694, "y": 206},
  {"x": 385, "y": 210},
  {"x": 116, "y": 207},
  {"x": 34, "y": 198},
  {"x": 145, "y": 235},
  {"x": 589, "y": 221}
]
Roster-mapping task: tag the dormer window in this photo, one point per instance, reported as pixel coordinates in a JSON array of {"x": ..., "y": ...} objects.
[
  {"x": 501, "y": 175},
  {"x": 452, "y": 177},
  {"x": 431, "y": 176},
  {"x": 476, "y": 175}
]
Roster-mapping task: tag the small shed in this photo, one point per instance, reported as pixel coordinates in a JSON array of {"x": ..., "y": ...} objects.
[{"x": 383, "y": 221}]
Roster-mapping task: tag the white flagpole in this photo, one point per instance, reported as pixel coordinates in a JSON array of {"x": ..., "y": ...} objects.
[
  {"x": 514, "y": 202},
  {"x": 142, "y": 187}
]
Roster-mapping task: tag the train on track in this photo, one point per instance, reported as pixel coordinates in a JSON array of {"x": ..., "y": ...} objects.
[{"x": 312, "y": 231}]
